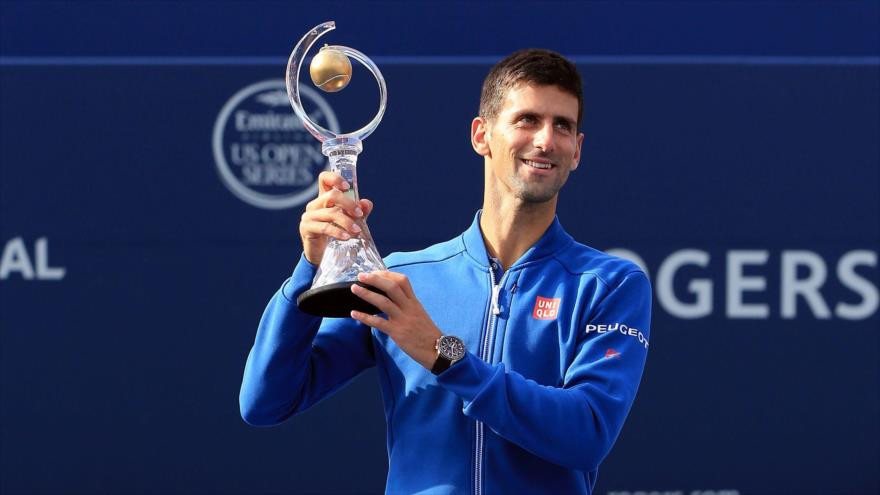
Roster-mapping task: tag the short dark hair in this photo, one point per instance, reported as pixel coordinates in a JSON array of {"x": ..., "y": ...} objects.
[{"x": 533, "y": 65}]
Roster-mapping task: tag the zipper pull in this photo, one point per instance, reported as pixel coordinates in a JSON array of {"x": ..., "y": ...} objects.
[
  {"x": 496, "y": 309},
  {"x": 513, "y": 289}
]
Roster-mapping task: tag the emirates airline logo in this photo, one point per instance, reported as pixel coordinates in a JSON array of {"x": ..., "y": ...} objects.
[
  {"x": 546, "y": 308},
  {"x": 263, "y": 153}
]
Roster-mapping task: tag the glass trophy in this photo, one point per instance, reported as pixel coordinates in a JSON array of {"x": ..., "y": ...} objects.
[{"x": 330, "y": 294}]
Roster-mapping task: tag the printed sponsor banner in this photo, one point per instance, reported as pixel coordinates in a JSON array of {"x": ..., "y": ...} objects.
[
  {"x": 148, "y": 215},
  {"x": 263, "y": 153}
]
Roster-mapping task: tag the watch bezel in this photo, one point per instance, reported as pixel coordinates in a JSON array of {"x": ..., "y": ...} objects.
[{"x": 448, "y": 342}]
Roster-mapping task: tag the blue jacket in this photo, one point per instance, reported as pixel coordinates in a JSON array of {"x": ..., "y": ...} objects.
[{"x": 556, "y": 347}]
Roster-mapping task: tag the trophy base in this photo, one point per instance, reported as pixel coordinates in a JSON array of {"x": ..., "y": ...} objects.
[{"x": 335, "y": 300}]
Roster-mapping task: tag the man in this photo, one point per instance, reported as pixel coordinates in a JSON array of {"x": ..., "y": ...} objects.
[{"x": 509, "y": 356}]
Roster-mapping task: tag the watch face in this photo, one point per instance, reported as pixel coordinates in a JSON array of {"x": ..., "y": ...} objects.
[{"x": 452, "y": 348}]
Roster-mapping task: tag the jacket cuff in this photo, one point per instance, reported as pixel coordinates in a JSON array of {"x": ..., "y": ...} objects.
[
  {"x": 301, "y": 279},
  {"x": 468, "y": 377}
]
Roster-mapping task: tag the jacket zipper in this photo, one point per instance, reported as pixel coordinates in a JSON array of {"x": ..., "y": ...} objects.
[{"x": 486, "y": 355}]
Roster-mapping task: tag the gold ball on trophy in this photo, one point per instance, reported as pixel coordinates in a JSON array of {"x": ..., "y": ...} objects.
[{"x": 330, "y": 69}]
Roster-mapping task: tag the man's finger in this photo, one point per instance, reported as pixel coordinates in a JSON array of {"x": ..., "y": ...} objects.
[
  {"x": 367, "y": 207},
  {"x": 315, "y": 228},
  {"x": 315, "y": 204},
  {"x": 383, "y": 281},
  {"x": 403, "y": 282},
  {"x": 376, "y": 322},
  {"x": 329, "y": 180},
  {"x": 333, "y": 215},
  {"x": 336, "y": 197},
  {"x": 384, "y": 304}
]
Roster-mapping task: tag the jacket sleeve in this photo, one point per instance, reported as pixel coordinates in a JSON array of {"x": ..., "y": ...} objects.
[
  {"x": 298, "y": 359},
  {"x": 576, "y": 424}
]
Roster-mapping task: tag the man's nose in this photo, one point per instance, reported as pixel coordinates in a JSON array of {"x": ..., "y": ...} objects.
[{"x": 544, "y": 138}]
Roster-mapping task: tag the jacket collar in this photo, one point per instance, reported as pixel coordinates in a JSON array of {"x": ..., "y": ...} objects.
[{"x": 553, "y": 240}]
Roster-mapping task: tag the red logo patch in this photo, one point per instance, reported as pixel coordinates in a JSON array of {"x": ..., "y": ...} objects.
[
  {"x": 611, "y": 353},
  {"x": 546, "y": 308}
]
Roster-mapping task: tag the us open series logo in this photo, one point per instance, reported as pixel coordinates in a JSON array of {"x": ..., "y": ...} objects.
[{"x": 263, "y": 153}]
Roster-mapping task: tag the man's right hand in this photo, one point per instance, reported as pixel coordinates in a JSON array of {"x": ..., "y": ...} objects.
[{"x": 332, "y": 213}]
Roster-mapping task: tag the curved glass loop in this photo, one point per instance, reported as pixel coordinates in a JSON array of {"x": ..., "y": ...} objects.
[{"x": 294, "y": 64}]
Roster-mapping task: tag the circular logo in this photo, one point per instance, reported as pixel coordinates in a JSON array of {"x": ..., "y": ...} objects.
[{"x": 262, "y": 151}]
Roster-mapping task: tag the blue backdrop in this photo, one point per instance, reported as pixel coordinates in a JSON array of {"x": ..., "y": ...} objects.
[{"x": 731, "y": 148}]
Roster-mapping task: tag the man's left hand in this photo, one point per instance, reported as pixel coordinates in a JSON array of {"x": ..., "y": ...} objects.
[{"x": 408, "y": 324}]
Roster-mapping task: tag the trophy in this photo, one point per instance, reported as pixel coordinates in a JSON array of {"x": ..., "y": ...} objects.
[{"x": 330, "y": 70}]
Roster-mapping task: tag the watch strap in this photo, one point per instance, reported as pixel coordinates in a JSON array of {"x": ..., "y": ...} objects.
[{"x": 440, "y": 365}]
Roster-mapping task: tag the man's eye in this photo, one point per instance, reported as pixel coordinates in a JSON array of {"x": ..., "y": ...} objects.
[
  {"x": 563, "y": 126},
  {"x": 528, "y": 119}
]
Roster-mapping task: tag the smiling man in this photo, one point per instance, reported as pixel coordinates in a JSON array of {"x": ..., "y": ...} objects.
[{"x": 492, "y": 379}]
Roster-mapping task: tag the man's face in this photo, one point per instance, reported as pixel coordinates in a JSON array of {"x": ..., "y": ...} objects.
[{"x": 532, "y": 144}]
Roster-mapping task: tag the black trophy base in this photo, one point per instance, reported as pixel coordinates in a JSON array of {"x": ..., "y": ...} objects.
[{"x": 335, "y": 300}]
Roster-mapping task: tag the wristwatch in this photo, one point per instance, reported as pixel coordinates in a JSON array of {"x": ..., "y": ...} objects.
[{"x": 449, "y": 350}]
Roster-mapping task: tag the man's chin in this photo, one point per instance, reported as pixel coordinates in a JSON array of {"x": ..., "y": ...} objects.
[
  {"x": 535, "y": 191},
  {"x": 537, "y": 197}
]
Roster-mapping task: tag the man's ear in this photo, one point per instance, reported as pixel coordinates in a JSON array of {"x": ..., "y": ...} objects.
[
  {"x": 479, "y": 136},
  {"x": 577, "y": 155}
]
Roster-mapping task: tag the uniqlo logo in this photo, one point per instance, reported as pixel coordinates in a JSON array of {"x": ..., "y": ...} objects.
[{"x": 546, "y": 308}]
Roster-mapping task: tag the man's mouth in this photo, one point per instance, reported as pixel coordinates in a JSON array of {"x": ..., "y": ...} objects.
[{"x": 543, "y": 165}]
